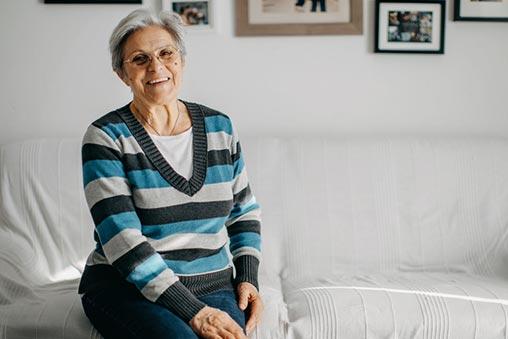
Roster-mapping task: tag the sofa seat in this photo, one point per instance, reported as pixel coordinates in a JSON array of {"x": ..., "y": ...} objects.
[
  {"x": 397, "y": 305},
  {"x": 51, "y": 314},
  {"x": 54, "y": 312}
]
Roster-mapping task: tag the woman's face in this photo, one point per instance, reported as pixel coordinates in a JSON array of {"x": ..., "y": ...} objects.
[{"x": 158, "y": 80}]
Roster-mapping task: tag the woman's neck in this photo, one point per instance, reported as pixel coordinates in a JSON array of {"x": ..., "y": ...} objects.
[{"x": 166, "y": 119}]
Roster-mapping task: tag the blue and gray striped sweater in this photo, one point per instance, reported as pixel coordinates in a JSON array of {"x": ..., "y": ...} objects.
[{"x": 158, "y": 231}]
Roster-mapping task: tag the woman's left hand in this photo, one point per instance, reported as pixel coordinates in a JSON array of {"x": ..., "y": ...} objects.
[{"x": 248, "y": 297}]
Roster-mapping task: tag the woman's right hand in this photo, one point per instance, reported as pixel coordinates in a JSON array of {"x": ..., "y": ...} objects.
[{"x": 213, "y": 323}]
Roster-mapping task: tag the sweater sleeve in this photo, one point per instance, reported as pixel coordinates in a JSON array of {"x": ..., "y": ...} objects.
[
  {"x": 244, "y": 221},
  {"x": 118, "y": 228}
]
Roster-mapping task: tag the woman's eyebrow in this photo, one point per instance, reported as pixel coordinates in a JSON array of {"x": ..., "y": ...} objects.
[{"x": 156, "y": 49}]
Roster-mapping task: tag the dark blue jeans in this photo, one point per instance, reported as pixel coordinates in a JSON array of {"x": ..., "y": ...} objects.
[{"x": 123, "y": 312}]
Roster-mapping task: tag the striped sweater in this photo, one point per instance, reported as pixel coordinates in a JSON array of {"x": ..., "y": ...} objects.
[{"x": 154, "y": 229}]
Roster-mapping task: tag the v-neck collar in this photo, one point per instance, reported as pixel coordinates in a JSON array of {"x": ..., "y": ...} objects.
[{"x": 199, "y": 143}]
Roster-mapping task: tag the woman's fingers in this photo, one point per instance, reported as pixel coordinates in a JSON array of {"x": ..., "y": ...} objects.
[
  {"x": 214, "y": 323},
  {"x": 235, "y": 329},
  {"x": 243, "y": 298},
  {"x": 256, "y": 308},
  {"x": 224, "y": 333},
  {"x": 248, "y": 298}
]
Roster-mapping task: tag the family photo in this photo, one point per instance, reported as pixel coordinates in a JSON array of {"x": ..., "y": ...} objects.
[
  {"x": 410, "y": 26},
  {"x": 300, "y": 6},
  {"x": 298, "y": 11},
  {"x": 192, "y": 12}
]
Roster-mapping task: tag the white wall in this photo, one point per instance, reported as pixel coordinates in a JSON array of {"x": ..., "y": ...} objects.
[{"x": 56, "y": 76}]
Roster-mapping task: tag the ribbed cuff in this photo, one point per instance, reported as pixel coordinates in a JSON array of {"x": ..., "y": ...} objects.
[
  {"x": 247, "y": 270},
  {"x": 179, "y": 300}
]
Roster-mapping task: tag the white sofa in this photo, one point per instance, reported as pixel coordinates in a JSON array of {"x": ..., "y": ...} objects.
[{"x": 362, "y": 237}]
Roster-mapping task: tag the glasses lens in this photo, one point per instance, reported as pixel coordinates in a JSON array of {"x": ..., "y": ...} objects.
[
  {"x": 167, "y": 54},
  {"x": 140, "y": 59}
]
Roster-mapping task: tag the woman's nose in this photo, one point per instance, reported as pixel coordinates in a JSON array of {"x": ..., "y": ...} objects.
[{"x": 154, "y": 64}]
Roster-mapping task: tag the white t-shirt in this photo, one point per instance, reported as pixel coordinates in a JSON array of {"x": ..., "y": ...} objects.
[{"x": 177, "y": 150}]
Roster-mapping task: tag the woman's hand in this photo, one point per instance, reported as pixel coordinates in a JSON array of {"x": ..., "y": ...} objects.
[
  {"x": 248, "y": 296},
  {"x": 213, "y": 323}
]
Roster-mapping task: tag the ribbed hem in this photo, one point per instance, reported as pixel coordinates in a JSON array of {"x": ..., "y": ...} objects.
[
  {"x": 247, "y": 270},
  {"x": 98, "y": 276},
  {"x": 188, "y": 288},
  {"x": 179, "y": 300},
  {"x": 203, "y": 284}
]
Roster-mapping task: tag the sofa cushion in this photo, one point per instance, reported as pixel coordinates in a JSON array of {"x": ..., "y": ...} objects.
[
  {"x": 400, "y": 305},
  {"x": 53, "y": 314}
]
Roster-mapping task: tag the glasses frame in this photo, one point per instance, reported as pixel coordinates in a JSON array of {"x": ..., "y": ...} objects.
[{"x": 151, "y": 56}]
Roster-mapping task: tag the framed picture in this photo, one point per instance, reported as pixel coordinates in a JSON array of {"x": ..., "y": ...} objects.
[
  {"x": 298, "y": 17},
  {"x": 410, "y": 26},
  {"x": 196, "y": 15},
  {"x": 481, "y": 10},
  {"x": 92, "y": 1}
]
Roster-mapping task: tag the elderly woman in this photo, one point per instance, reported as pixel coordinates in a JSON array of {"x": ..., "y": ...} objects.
[{"x": 167, "y": 187}]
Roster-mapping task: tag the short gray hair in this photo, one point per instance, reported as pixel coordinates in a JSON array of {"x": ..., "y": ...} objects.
[{"x": 138, "y": 19}]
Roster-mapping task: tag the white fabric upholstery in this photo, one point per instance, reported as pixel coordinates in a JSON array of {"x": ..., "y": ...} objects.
[
  {"x": 362, "y": 238},
  {"x": 386, "y": 238}
]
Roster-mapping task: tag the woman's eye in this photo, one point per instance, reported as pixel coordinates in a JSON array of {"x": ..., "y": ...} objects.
[
  {"x": 140, "y": 59},
  {"x": 166, "y": 54}
]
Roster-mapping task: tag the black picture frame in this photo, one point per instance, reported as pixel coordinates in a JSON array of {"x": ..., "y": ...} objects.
[
  {"x": 458, "y": 17},
  {"x": 382, "y": 46},
  {"x": 123, "y": 2}
]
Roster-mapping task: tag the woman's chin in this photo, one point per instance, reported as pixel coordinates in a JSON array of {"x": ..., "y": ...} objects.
[{"x": 161, "y": 98}]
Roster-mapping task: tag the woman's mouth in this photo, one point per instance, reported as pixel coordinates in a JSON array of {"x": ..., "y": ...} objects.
[{"x": 158, "y": 81}]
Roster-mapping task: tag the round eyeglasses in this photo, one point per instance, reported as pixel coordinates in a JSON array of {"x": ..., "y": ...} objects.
[{"x": 165, "y": 55}]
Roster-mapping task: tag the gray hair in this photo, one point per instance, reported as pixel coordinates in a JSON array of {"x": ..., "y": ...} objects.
[{"x": 138, "y": 19}]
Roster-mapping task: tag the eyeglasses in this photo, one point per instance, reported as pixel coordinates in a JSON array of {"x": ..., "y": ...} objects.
[{"x": 165, "y": 55}]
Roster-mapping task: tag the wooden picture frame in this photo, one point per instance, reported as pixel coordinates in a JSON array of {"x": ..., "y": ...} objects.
[
  {"x": 469, "y": 10},
  {"x": 410, "y": 26},
  {"x": 290, "y": 21}
]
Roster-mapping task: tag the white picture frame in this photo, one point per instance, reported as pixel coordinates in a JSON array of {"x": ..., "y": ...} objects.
[{"x": 197, "y": 15}]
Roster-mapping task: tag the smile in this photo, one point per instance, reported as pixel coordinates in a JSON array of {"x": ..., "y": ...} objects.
[{"x": 157, "y": 81}]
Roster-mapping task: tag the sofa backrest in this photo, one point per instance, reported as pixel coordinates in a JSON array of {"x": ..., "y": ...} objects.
[
  {"x": 45, "y": 226},
  {"x": 382, "y": 205},
  {"x": 328, "y": 205}
]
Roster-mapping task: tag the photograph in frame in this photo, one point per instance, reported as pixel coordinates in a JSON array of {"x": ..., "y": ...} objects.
[
  {"x": 410, "y": 26},
  {"x": 481, "y": 10},
  {"x": 299, "y": 11},
  {"x": 196, "y": 14},
  {"x": 298, "y": 17}
]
